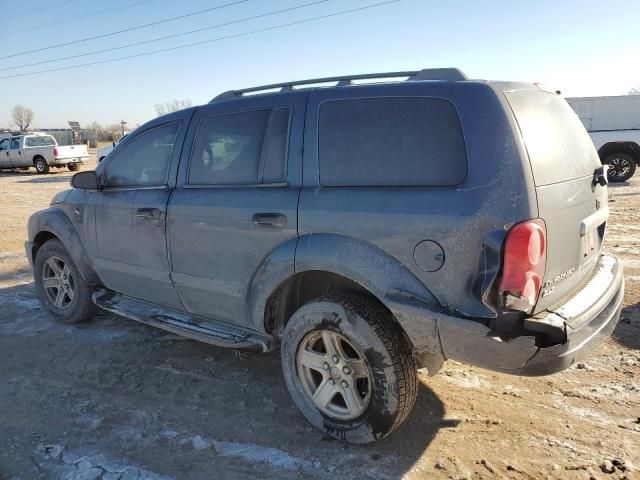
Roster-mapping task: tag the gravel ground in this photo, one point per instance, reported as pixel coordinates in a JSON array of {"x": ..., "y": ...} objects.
[{"x": 113, "y": 399}]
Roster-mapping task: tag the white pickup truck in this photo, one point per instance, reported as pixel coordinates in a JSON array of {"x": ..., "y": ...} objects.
[
  {"x": 614, "y": 126},
  {"x": 40, "y": 151}
]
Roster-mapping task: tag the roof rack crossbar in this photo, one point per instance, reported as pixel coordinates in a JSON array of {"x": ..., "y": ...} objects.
[{"x": 440, "y": 74}]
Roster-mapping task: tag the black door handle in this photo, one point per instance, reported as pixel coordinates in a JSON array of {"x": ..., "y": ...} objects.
[
  {"x": 150, "y": 213},
  {"x": 278, "y": 220}
]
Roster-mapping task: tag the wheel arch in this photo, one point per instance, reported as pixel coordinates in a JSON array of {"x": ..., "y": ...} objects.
[
  {"x": 326, "y": 264},
  {"x": 629, "y": 147},
  {"x": 53, "y": 223},
  {"x": 303, "y": 287}
]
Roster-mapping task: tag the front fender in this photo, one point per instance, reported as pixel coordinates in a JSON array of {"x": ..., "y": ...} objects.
[{"x": 55, "y": 221}]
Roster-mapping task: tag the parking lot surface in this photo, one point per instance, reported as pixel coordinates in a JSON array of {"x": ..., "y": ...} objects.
[{"x": 114, "y": 399}]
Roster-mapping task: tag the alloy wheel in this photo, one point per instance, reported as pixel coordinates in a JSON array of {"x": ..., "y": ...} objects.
[
  {"x": 334, "y": 374},
  {"x": 619, "y": 167},
  {"x": 57, "y": 281}
]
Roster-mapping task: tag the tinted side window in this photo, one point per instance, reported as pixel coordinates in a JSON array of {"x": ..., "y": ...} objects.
[
  {"x": 15, "y": 144},
  {"x": 231, "y": 149},
  {"x": 275, "y": 151},
  {"x": 391, "y": 142},
  {"x": 145, "y": 160},
  {"x": 4, "y": 144}
]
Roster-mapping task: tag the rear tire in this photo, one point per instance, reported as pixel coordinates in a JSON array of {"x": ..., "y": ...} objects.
[
  {"x": 60, "y": 285},
  {"x": 41, "y": 165},
  {"x": 73, "y": 167},
  {"x": 349, "y": 368},
  {"x": 622, "y": 166}
]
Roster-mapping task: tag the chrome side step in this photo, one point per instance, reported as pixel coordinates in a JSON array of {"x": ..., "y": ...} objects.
[{"x": 185, "y": 324}]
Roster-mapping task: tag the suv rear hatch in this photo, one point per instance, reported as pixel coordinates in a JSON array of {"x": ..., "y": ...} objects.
[{"x": 571, "y": 202}]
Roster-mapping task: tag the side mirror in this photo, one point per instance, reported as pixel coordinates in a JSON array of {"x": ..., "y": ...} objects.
[{"x": 85, "y": 180}]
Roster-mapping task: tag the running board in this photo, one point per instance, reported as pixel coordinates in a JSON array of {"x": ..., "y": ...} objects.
[{"x": 215, "y": 333}]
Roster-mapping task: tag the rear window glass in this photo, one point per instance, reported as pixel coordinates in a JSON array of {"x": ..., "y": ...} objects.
[
  {"x": 559, "y": 147},
  {"x": 391, "y": 142},
  {"x": 40, "y": 141}
]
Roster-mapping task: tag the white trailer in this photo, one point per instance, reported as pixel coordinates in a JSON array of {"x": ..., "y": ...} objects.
[{"x": 614, "y": 126}]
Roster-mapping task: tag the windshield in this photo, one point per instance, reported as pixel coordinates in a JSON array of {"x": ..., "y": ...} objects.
[
  {"x": 558, "y": 145},
  {"x": 40, "y": 141}
]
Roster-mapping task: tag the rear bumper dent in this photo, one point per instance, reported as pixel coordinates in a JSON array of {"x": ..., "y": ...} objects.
[{"x": 471, "y": 342}]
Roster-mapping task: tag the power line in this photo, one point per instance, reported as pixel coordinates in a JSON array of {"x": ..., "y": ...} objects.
[
  {"x": 243, "y": 34},
  {"x": 172, "y": 19},
  {"x": 157, "y": 39},
  {"x": 79, "y": 17}
]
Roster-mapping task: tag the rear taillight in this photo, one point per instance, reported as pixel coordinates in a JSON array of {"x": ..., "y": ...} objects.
[
  {"x": 55, "y": 152},
  {"x": 524, "y": 260}
]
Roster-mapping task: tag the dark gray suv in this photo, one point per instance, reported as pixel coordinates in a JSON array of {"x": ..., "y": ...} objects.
[{"x": 366, "y": 229}]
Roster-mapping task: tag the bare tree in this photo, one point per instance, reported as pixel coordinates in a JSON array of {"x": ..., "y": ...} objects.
[
  {"x": 634, "y": 91},
  {"x": 22, "y": 117},
  {"x": 95, "y": 126},
  {"x": 172, "y": 106},
  {"x": 102, "y": 133}
]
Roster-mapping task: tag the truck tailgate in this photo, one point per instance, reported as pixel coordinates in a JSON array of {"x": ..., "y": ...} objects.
[{"x": 71, "y": 151}]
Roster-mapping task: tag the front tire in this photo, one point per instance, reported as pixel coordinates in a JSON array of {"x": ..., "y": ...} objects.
[
  {"x": 349, "y": 368},
  {"x": 621, "y": 167},
  {"x": 41, "y": 165},
  {"x": 60, "y": 285}
]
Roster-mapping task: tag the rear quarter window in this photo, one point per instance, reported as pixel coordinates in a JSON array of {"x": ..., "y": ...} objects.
[
  {"x": 394, "y": 142},
  {"x": 40, "y": 141}
]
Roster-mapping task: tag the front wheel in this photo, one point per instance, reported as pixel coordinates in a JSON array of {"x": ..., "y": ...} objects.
[
  {"x": 349, "y": 368},
  {"x": 41, "y": 165},
  {"x": 60, "y": 285},
  {"x": 621, "y": 167}
]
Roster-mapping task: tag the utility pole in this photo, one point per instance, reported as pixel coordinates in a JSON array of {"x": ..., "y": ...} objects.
[{"x": 123, "y": 123}]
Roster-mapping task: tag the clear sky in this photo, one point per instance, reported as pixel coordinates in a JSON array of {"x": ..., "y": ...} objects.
[{"x": 581, "y": 47}]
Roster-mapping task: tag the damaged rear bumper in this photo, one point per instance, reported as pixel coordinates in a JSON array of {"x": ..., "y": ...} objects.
[{"x": 585, "y": 321}]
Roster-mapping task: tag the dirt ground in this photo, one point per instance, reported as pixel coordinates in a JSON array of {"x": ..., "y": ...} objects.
[{"x": 114, "y": 399}]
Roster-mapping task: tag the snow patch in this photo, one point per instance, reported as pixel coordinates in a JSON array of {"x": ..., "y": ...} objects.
[
  {"x": 254, "y": 453},
  {"x": 62, "y": 463},
  {"x": 24, "y": 302}
]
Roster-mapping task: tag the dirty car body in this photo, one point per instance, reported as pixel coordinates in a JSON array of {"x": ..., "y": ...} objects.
[{"x": 468, "y": 214}]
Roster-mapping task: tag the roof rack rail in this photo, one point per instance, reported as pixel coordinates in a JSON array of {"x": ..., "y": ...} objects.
[{"x": 441, "y": 74}]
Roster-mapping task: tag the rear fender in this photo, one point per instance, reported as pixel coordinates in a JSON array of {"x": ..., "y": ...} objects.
[
  {"x": 274, "y": 270},
  {"x": 384, "y": 277},
  {"x": 360, "y": 261}
]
